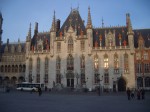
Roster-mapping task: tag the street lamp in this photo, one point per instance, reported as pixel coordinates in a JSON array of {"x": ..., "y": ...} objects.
[{"x": 100, "y": 84}]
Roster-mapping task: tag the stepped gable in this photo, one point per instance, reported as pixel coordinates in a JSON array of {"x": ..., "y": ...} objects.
[
  {"x": 74, "y": 19},
  {"x": 145, "y": 34},
  {"x": 101, "y": 31}
]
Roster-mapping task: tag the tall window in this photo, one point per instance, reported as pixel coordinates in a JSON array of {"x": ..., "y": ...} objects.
[
  {"x": 58, "y": 77},
  {"x": 58, "y": 67},
  {"x": 116, "y": 63},
  {"x": 82, "y": 45},
  {"x": 70, "y": 63},
  {"x": 58, "y": 63},
  {"x": 106, "y": 78},
  {"x": 30, "y": 64},
  {"x": 106, "y": 61},
  {"x": 82, "y": 62},
  {"x": 96, "y": 61},
  {"x": 70, "y": 45},
  {"x": 82, "y": 66},
  {"x": 46, "y": 70},
  {"x": 38, "y": 70},
  {"x": 139, "y": 68},
  {"x": 58, "y": 46},
  {"x": 147, "y": 68},
  {"x": 126, "y": 63},
  {"x": 145, "y": 55}
]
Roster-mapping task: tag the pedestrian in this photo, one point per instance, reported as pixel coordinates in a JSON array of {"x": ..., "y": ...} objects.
[
  {"x": 132, "y": 94},
  {"x": 138, "y": 94},
  {"x": 143, "y": 94},
  {"x": 40, "y": 91},
  {"x": 128, "y": 93}
]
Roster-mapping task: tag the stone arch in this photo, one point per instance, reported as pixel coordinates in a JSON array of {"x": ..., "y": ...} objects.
[
  {"x": 122, "y": 84},
  {"x": 13, "y": 80}
]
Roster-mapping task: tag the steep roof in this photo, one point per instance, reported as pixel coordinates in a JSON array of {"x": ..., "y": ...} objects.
[
  {"x": 118, "y": 30},
  {"x": 145, "y": 34},
  {"x": 74, "y": 19},
  {"x": 44, "y": 36}
]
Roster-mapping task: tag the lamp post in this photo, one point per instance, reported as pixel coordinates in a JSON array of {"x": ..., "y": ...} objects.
[
  {"x": 100, "y": 84},
  {"x": 77, "y": 76}
]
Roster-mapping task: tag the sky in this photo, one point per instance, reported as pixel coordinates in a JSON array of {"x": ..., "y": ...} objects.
[{"x": 18, "y": 14}]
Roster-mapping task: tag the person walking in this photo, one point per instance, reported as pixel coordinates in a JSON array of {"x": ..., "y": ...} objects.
[
  {"x": 40, "y": 91},
  {"x": 128, "y": 93},
  {"x": 138, "y": 94},
  {"x": 132, "y": 94},
  {"x": 143, "y": 94}
]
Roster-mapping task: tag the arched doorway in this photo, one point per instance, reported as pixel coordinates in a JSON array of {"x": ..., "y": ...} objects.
[
  {"x": 121, "y": 84},
  {"x": 13, "y": 80},
  {"x": 21, "y": 79}
]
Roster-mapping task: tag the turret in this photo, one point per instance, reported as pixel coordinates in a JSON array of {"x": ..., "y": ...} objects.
[
  {"x": 130, "y": 33},
  {"x": 28, "y": 38},
  {"x": 1, "y": 22},
  {"x": 52, "y": 35},
  {"x": 89, "y": 32}
]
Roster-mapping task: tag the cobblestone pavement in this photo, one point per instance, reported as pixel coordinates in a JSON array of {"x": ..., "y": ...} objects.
[{"x": 16, "y": 101}]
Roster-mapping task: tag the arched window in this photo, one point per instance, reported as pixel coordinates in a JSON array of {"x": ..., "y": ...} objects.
[
  {"x": 70, "y": 45},
  {"x": 46, "y": 70},
  {"x": 82, "y": 62},
  {"x": 16, "y": 68},
  {"x": 106, "y": 61},
  {"x": 6, "y": 68},
  {"x": 2, "y": 68},
  {"x": 58, "y": 63},
  {"x": 38, "y": 64},
  {"x": 70, "y": 63},
  {"x": 30, "y": 64},
  {"x": 82, "y": 45},
  {"x": 38, "y": 71},
  {"x": 145, "y": 55},
  {"x": 126, "y": 63},
  {"x": 116, "y": 63},
  {"x": 9, "y": 68},
  {"x": 13, "y": 68},
  {"x": 20, "y": 68},
  {"x": 19, "y": 48},
  {"x": 147, "y": 82},
  {"x": 96, "y": 62}
]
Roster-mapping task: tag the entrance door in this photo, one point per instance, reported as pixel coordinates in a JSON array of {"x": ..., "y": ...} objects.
[
  {"x": 121, "y": 84},
  {"x": 70, "y": 82}
]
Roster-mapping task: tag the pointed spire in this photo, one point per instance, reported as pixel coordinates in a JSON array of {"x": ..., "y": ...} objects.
[
  {"x": 53, "y": 28},
  {"x": 89, "y": 21},
  {"x": 128, "y": 23},
  {"x": 29, "y": 33}
]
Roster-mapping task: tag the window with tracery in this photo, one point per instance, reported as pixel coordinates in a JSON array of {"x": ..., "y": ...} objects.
[
  {"x": 116, "y": 63},
  {"x": 82, "y": 62},
  {"x": 46, "y": 70},
  {"x": 30, "y": 64},
  {"x": 82, "y": 45},
  {"x": 106, "y": 61},
  {"x": 70, "y": 45},
  {"x": 58, "y": 63},
  {"x": 70, "y": 63},
  {"x": 96, "y": 62},
  {"x": 126, "y": 63}
]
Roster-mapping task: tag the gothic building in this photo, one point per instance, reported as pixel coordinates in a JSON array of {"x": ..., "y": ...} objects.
[{"x": 74, "y": 55}]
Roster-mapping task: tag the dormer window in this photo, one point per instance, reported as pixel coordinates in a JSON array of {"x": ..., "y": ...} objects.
[
  {"x": 6, "y": 49},
  {"x": 19, "y": 48},
  {"x": 40, "y": 45},
  {"x": 12, "y": 49}
]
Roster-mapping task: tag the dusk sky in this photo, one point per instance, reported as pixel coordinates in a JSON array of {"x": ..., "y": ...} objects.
[{"x": 18, "y": 14}]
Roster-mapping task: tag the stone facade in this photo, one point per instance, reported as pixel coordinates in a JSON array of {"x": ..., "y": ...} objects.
[{"x": 73, "y": 55}]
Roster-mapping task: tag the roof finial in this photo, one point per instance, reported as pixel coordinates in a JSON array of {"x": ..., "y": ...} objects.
[
  {"x": 53, "y": 23},
  {"x": 102, "y": 22},
  {"x": 128, "y": 23},
  {"x": 89, "y": 21}
]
